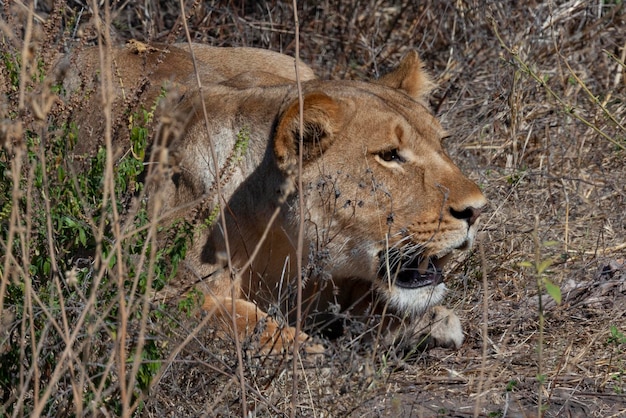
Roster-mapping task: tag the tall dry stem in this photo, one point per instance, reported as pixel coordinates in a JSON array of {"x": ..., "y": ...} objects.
[
  {"x": 221, "y": 204},
  {"x": 300, "y": 244}
]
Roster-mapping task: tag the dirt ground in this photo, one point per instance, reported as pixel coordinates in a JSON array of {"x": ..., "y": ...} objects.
[{"x": 533, "y": 95}]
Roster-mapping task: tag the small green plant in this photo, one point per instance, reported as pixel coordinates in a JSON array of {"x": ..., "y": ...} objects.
[
  {"x": 241, "y": 145},
  {"x": 515, "y": 178},
  {"x": 215, "y": 213},
  {"x": 616, "y": 340},
  {"x": 540, "y": 268},
  {"x": 12, "y": 64},
  {"x": 78, "y": 262},
  {"x": 192, "y": 300},
  {"x": 238, "y": 151},
  {"x": 510, "y": 387}
]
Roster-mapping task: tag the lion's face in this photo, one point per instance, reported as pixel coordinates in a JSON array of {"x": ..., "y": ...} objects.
[{"x": 384, "y": 202}]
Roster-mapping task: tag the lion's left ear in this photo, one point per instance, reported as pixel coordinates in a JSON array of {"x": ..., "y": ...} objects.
[
  {"x": 322, "y": 118},
  {"x": 410, "y": 77}
]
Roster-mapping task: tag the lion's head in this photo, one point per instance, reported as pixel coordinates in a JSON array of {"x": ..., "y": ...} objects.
[{"x": 383, "y": 198}]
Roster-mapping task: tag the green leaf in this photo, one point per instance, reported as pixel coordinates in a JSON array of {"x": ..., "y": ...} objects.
[
  {"x": 70, "y": 223},
  {"x": 543, "y": 266},
  {"x": 617, "y": 337},
  {"x": 47, "y": 267},
  {"x": 82, "y": 237},
  {"x": 550, "y": 243},
  {"x": 553, "y": 290},
  {"x": 525, "y": 264}
]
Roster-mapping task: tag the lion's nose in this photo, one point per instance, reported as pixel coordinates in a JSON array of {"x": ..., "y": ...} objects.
[{"x": 470, "y": 214}]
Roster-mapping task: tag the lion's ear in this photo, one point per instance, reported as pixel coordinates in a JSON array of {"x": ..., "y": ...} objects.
[
  {"x": 322, "y": 117},
  {"x": 410, "y": 77}
]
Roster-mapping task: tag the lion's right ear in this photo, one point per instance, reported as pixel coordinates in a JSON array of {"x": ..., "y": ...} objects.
[
  {"x": 410, "y": 77},
  {"x": 322, "y": 119}
]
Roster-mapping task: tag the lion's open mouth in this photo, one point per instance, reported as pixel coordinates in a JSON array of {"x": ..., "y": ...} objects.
[{"x": 418, "y": 272}]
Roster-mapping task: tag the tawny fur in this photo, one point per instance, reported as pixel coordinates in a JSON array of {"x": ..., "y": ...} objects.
[{"x": 358, "y": 203}]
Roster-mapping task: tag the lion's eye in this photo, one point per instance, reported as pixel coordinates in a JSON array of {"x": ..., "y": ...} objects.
[{"x": 390, "y": 155}]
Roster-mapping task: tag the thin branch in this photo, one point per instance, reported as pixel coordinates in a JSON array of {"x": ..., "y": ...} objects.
[
  {"x": 300, "y": 245},
  {"x": 221, "y": 205}
]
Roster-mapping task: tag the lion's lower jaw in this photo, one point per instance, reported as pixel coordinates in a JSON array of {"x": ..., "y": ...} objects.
[{"x": 415, "y": 301}]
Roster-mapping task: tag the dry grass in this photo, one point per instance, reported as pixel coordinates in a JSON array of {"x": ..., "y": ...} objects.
[{"x": 534, "y": 97}]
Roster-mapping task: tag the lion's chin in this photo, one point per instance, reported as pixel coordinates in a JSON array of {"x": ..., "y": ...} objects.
[{"x": 415, "y": 301}]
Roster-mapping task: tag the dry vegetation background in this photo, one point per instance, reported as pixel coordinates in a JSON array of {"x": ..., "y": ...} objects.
[{"x": 533, "y": 94}]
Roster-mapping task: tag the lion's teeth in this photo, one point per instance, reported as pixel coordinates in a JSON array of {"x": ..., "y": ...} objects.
[{"x": 423, "y": 266}]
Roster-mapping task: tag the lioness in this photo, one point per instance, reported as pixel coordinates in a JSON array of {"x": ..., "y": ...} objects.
[{"x": 384, "y": 206}]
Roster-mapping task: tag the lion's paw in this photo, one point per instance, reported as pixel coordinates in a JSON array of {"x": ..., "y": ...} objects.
[
  {"x": 437, "y": 327},
  {"x": 244, "y": 320},
  {"x": 276, "y": 339},
  {"x": 444, "y": 328}
]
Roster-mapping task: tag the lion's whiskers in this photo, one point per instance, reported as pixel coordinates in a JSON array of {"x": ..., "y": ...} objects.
[{"x": 404, "y": 251}]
